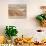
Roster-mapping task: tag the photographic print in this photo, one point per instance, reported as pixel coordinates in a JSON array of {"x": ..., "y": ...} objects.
[{"x": 16, "y": 11}]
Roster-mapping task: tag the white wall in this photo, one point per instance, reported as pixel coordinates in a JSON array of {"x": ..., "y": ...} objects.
[{"x": 25, "y": 26}]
